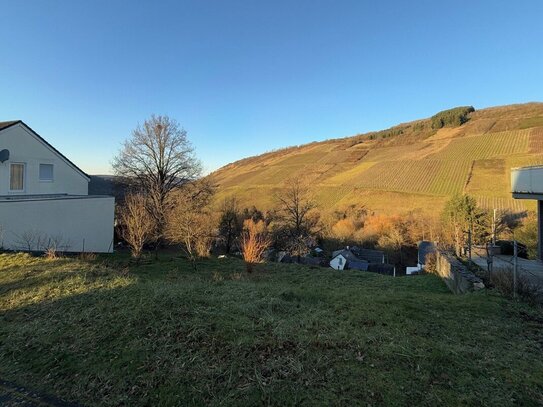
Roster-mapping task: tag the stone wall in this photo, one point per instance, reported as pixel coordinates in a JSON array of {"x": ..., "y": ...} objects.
[{"x": 457, "y": 277}]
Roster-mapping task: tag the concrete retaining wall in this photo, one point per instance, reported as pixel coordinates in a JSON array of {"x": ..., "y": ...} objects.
[{"x": 457, "y": 277}]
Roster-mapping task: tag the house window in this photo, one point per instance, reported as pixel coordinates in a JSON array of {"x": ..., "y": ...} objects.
[
  {"x": 46, "y": 172},
  {"x": 17, "y": 177}
]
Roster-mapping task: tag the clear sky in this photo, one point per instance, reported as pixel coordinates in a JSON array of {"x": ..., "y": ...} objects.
[{"x": 244, "y": 77}]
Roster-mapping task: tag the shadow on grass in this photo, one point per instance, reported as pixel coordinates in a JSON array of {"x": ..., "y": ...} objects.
[{"x": 12, "y": 395}]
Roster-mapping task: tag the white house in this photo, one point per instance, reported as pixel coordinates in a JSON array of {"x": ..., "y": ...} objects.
[
  {"x": 345, "y": 259},
  {"x": 339, "y": 262},
  {"x": 44, "y": 198}
]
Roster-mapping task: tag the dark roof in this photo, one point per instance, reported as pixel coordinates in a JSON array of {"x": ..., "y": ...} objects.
[
  {"x": 349, "y": 256},
  {"x": 361, "y": 265},
  {"x": 373, "y": 256},
  {"x": 425, "y": 248},
  {"x": 5, "y": 125},
  {"x": 311, "y": 261}
]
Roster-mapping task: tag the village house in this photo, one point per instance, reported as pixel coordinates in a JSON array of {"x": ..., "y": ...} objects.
[
  {"x": 356, "y": 258},
  {"x": 424, "y": 249},
  {"x": 44, "y": 201}
]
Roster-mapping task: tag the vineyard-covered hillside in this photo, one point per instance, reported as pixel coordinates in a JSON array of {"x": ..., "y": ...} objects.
[{"x": 416, "y": 165}]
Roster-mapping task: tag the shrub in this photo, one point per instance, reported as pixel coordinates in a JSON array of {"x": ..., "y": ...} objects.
[
  {"x": 190, "y": 221},
  {"x": 527, "y": 234},
  {"x": 51, "y": 253},
  {"x": 217, "y": 277},
  {"x": 254, "y": 242},
  {"x": 430, "y": 265},
  {"x": 137, "y": 225},
  {"x": 87, "y": 256}
]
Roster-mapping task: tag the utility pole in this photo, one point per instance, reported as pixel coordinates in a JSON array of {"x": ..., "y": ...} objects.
[
  {"x": 469, "y": 244},
  {"x": 489, "y": 259},
  {"x": 515, "y": 266},
  {"x": 494, "y": 228}
]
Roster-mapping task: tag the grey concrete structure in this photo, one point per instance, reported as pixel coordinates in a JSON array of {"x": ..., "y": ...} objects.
[{"x": 527, "y": 183}]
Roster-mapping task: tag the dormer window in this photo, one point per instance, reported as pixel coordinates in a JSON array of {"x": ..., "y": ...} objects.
[
  {"x": 17, "y": 177},
  {"x": 46, "y": 172}
]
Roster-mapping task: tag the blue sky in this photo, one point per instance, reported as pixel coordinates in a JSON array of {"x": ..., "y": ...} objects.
[{"x": 244, "y": 77}]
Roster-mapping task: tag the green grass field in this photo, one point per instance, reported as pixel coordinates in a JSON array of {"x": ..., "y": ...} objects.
[
  {"x": 474, "y": 158},
  {"x": 105, "y": 333}
]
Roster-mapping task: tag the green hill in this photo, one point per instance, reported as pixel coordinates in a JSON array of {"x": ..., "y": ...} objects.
[{"x": 413, "y": 165}]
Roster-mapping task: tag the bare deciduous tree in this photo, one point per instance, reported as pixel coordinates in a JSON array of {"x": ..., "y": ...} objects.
[
  {"x": 137, "y": 224},
  {"x": 298, "y": 219},
  {"x": 189, "y": 220},
  {"x": 296, "y": 204},
  {"x": 394, "y": 238},
  {"x": 157, "y": 159},
  {"x": 34, "y": 240},
  {"x": 254, "y": 242},
  {"x": 230, "y": 224}
]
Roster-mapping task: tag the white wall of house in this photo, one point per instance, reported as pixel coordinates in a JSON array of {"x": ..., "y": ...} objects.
[
  {"x": 79, "y": 223},
  {"x": 411, "y": 270},
  {"x": 338, "y": 262},
  {"x": 26, "y": 148}
]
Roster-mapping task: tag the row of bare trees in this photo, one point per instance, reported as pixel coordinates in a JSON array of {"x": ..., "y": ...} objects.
[
  {"x": 170, "y": 202},
  {"x": 193, "y": 222}
]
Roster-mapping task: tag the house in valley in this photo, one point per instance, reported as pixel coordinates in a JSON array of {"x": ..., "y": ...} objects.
[
  {"x": 424, "y": 249},
  {"x": 338, "y": 262},
  {"x": 44, "y": 200},
  {"x": 369, "y": 255},
  {"x": 345, "y": 259}
]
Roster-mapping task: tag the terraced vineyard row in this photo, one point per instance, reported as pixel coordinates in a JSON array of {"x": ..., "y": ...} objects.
[
  {"x": 515, "y": 205},
  {"x": 486, "y": 146},
  {"x": 409, "y": 151},
  {"x": 273, "y": 175},
  {"x": 350, "y": 176},
  {"x": 525, "y": 160},
  {"x": 536, "y": 141},
  {"x": 329, "y": 196},
  {"x": 404, "y": 175},
  {"x": 421, "y": 176},
  {"x": 451, "y": 178}
]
